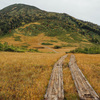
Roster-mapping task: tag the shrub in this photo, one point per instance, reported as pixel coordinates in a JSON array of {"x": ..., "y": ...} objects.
[
  {"x": 46, "y": 44},
  {"x": 10, "y": 49},
  {"x": 57, "y": 47},
  {"x": 6, "y": 47},
  {"x": 92, "y": 50},
  {"x": 17, "y": 38},
  {"x": 68, "y": 45},
  {"x": 53, "y": 41},
  {"x": 1, "y": 47},
  {"x": 33, "y": 50}
]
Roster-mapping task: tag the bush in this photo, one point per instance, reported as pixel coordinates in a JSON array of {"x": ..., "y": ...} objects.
[
  {"x": 1, "y": 47},
  {"x": 53, "y": 41},
  {"x": 33, "y": 50},
  {"x": 46, "y": 44},
  {"x": 10, "y": 49},
  {"x": 6, "y": 47},
  {"x": 68, "y": 45},
  {"x": 57, "y": 47},
  {"x": 92, "y": 50},
  {"x": 17, "y": 38}
]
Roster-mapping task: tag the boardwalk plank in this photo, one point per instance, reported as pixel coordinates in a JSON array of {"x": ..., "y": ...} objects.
[
  {"x": 55, "y": 89},
  {"x": 85, "y": 90}
]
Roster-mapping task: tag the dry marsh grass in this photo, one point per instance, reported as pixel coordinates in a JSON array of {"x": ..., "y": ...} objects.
[
  {"x": 90, "y": 66},
  {"x": 65, "y": 49},
  {"x": 70, "y": 92},
  {"x": 25, "y": 76}
]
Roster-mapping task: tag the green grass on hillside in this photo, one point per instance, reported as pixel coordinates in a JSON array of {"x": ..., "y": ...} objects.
[
  {"x": 91, "y": 50},
  {"x": 52, "y": 24},
  {"x": 11, "y": 48},
  {"x": 52, "y": 29}
]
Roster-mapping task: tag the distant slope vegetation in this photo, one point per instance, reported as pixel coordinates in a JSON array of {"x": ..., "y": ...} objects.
[{"x": 53, "y": 24}]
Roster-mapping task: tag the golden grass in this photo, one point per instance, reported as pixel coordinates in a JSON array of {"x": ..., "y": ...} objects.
[
  {"x": 35, "y": 42},
  {"x": 65, "y": 49},
  {"x": 69, "y": 87},
  {"x": 25, "y": 76},
  {"x": 37, "y": 23},
  {"x": 90, "y": 66},
  {"x": 46, "y": 50}
]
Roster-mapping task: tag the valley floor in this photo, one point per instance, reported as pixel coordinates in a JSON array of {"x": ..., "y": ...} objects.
[{"x": 26, "y": 75}]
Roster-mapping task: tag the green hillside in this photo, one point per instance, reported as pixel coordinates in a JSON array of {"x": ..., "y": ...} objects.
[{"x": 61, "y": 25}]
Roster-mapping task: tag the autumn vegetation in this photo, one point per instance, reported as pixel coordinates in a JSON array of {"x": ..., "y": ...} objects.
[
  {"x": 63, "y": 26},
  {"x": 28, "y": 38},
  {"x": 89, "y": 50},
  {"x": 25, "y": 75}
]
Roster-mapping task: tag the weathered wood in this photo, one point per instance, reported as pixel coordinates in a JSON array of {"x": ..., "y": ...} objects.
[
  {"x": 85, "y": 90},
  {"x": 55, "y": 89}
]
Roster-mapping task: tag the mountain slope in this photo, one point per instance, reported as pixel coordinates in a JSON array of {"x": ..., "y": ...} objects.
[{"x": 52, "y": 24}]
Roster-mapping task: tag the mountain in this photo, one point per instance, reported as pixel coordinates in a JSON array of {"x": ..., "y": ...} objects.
[{"x": 51, "y": 24}]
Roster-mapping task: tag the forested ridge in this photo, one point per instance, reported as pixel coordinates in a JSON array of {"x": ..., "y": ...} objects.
[{"x": 17, "y": 15}]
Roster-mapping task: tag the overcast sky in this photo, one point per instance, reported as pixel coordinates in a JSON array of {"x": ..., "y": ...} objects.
[{"x": 87, "y": 10}]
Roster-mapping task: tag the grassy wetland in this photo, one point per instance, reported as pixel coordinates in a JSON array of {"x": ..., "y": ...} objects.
[
  {"x": 25, "y": 75},
  {"x": 31, "y": 42}
]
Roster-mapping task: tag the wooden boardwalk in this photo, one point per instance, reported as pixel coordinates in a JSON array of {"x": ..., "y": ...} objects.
[
  {"x": 55, "y": 89},
  {"x": 85, "y": 91}
]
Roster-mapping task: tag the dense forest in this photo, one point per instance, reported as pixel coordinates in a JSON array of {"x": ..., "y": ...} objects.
[{"x": 16, "y": 15}]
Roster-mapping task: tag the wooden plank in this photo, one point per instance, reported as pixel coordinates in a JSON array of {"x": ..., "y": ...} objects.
[
  {"x": 55, "y": 89},
  {"x": 85, "y": 90}
]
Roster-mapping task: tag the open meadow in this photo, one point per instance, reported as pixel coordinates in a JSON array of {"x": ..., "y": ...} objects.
[
  {"x": 25, "y": 76},
  {"x": 31, "y": 42}
]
